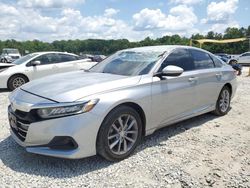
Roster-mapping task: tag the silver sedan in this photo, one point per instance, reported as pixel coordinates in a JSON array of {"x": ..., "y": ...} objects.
[{"x": 108, "y": 109}]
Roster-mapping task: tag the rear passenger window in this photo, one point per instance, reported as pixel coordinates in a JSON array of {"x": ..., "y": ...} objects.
[
  {"x": 179, "y": 57},
  {"x": 66, "y": 58},
  {"x": 217, "y": 61},
  {"x": 201, "y": 59}
]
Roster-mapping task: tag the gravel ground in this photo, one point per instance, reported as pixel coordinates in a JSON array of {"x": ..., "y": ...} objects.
[{"x": 200, "y": 152}]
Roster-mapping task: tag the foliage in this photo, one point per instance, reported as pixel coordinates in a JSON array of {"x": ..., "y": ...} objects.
[{"x": 106, "y": 47}]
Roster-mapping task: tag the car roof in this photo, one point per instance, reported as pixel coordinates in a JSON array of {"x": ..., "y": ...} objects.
[
  {"x": 221, "y": 54},
  {"x": 163, "y": 48},
  {"x": 49, "y": 52}
]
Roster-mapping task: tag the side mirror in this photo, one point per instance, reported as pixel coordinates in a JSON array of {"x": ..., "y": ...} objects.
[
  {"x": 35, "y": 63},
  {"x": 170, "y": 70}
]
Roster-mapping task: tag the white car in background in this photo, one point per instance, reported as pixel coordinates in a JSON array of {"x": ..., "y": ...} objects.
[
  {"x": 40, "y": 64},
  {"x": 244, "y": 58},
  {"x": 9, "y": 55}
]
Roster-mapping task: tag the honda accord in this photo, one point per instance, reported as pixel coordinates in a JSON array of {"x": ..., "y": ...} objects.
[{"x": 108, "y": 109}]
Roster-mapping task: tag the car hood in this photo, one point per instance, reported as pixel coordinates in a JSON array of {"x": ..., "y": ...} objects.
[
  {"x": 11, "y": 54},
  {"x": 5, "y": 65},
  {"x": 69, "y": 87}
]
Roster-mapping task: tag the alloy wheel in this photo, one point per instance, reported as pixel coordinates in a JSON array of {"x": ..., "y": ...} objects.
[
  {"x": 18, "y": 81},
  {"x": 122, "y": 134},
  {"x": 224, "y": 100}
]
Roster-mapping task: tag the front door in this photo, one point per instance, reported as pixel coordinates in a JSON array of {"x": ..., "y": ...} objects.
[
  {"x": 48, "y": 65},
  {"x": 174, "y": 97}
]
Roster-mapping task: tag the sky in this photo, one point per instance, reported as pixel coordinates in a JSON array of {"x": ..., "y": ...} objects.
[{"x": 49, "y": 20}]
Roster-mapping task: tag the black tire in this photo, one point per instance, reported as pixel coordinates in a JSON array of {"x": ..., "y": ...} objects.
[
  {"x": 12, "y": 85},
  {"x": 4, "y": 60},
  {"x": 103, "y": 142},
  {"x": 219, "y": 111},
  {"x": 233, "y": 61}
]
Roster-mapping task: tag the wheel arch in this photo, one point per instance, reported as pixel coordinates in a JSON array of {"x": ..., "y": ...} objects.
[
  {"x": 137, "y": 108},
  {"x": 230, "y": 87},
  {"x": 99, "y": 143},
  {"x": 17, "y": 74},
  {"x": 140, "y": 111}
]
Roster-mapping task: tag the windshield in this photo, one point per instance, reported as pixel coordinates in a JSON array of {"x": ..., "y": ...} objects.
[
  {"x": 128, "y": 63},
  {"x": 24, "y": 59},
  {"x": 10, "y": 51}
]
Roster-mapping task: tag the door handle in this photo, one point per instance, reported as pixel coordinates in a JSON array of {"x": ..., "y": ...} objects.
[
  {"x": 193, "y": 79},
  {"x": 218, "y": 75}
]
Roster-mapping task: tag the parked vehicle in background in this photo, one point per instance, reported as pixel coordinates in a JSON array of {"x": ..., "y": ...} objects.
[
  {"x": 99, "y": 58},
  {"x": 244, "y": 59},
  {"x": 236, "y": 66},
  {"x": 232, "y": 62},
  {"x": 95, "y": 58},
  {"x": 224, "y": 57},
  {"x": 108, "y": 109},
  {"x": 86, "y": 56},
  {"x": 9, "y": 55},
  {"x": 230, "y": 59},
  {"x": 39, "y": 64}
]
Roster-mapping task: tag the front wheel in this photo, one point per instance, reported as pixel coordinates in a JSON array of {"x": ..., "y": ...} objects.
[
  {"x": 4, "y": 60},
  {"x": 223, "y": 102},
  {"x": 16, "y": 81},
  {"x": 119, "y": 134}
]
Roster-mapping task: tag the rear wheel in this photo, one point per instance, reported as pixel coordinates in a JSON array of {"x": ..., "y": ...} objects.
[
  {"x": 16, "y": 81},
  {"x": 119, "y": 134},
  {"x": 223, "y": 102}
]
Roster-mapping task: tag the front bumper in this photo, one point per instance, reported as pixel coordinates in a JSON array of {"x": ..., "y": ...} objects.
[
  {"x": 3, "y": 81},
  {"x": 82, "y": 128}
]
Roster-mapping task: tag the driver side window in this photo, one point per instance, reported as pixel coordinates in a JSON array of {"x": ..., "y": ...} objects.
[
  {"x": 47, "y": 59},
  {"x": 43, "y": 59},
  {"x": 179, "y": 57}
]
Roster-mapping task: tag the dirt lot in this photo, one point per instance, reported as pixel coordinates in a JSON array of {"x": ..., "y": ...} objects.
[{"x": 204, "y": 151}]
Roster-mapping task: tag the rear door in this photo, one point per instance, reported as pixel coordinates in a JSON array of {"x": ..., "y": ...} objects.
[
  {"x": 209, "y": 79},
  {"x": 174, "y": 97},
  {"x": 67, "y": 63}
]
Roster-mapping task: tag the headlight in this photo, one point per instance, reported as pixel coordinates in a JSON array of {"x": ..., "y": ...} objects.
[
  {"x": 66, "y": 110},
  {"x": 8, "y": 57}
]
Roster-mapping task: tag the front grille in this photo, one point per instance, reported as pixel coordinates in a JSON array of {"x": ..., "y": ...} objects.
[
  {"x": 21, "y": 124},
  {"x": 21, "y": 131}
]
